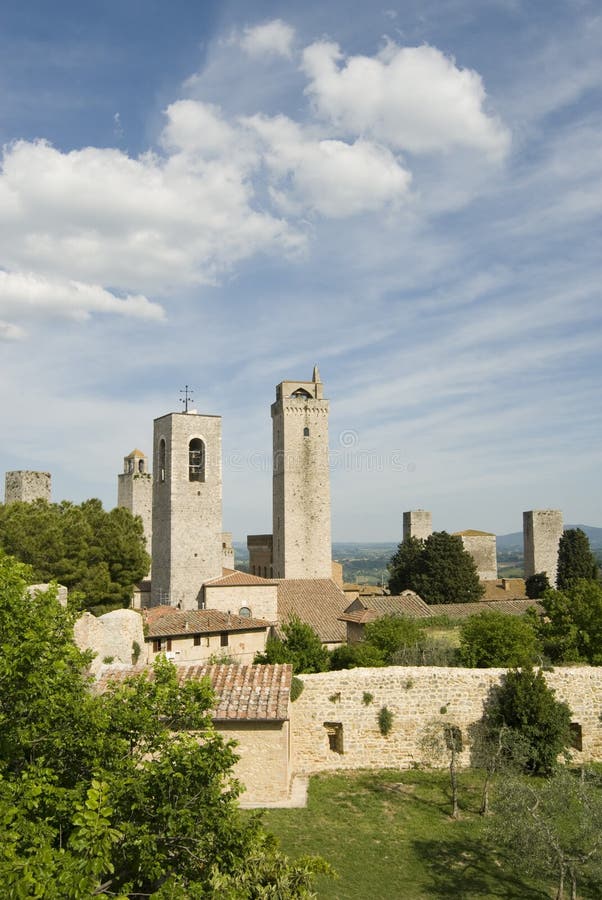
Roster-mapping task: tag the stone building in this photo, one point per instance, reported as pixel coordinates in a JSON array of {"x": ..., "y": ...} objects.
[
  {"x": 25, "y": 487},
  {"x": 482, "y": 547},
  {"x": 417, "y": 523},
  {"x": 187, "y": 507},
  {"x": 301, "y": 481},
  {"x": 542, "y": 530},
  {"x": 260, "y": 547},
  {"x": 202, "y": 635},
  {"x": 135, "y": 491}
]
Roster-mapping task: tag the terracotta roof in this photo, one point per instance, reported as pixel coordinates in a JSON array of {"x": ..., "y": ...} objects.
[
  {"x": 470, "y": 532},
  {"x": 495, "y": 590},
  {"x": 463, "y": 610},
  {"x": 368, "y": 608},
  {"x": 317, "y": 601},
  {"x": 252, "y": 693},
  {"x": 174, "y": 622},
  {"x": 136, "y": 453},
  {"x": 235, "y": 578}
]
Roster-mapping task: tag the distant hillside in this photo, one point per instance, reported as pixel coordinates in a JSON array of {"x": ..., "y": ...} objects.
[{"x": 515, "y": 540}]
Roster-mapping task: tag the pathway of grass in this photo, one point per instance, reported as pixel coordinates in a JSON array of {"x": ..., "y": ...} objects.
[{"x": 389, "y": 835}]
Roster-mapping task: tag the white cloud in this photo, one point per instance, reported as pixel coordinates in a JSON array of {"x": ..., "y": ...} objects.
[
  {"x": 9, "y": 332},
  {"x": 330, "y": 177},
  {"x": 24, "y": 293},
  {"x": 273, "y": 38},
  {"x": 413, "y": 98}
]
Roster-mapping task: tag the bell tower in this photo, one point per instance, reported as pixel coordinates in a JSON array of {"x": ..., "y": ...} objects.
[
  {"x": 187, "y": 507},
  {"x": 301, "y": 481},
  {"x": 135, "y": 491}
]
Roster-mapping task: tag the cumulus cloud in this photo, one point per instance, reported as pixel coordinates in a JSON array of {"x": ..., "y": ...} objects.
[
  {"x": 331, "y": 177},
  {"x": 273, "y": 38},
  {"x": 412, "y": 98},
  {"x": 25, "y": 293}
]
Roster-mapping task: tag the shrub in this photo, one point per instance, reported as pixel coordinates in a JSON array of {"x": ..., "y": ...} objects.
[{"x": 385, "y": 721}]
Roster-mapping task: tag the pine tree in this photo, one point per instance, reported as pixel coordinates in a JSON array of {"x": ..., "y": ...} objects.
[{"x": 575, "y": 559}]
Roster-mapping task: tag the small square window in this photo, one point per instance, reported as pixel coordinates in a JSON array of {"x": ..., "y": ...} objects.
[
  {"x": 197, "y": 640},
  {"x": 223, "y": 639}
]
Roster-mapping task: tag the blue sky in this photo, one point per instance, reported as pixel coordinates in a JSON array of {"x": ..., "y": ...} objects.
[{"x": 223, "y": 194}]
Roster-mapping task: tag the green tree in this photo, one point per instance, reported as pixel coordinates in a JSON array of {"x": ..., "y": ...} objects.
[
  {"x": 128, "y": 793},
  {"x": 526, "y": 704},
  {"x": 575, "y": 559},
  {"x": 439, "y": 569},
  {"x": 405, "y": 565},
  {"x": 355, "y": 656},
  {"x": 98, "y": 554},
  {"x": 300, "y": 646},
  {"x": 491, "y": 638},
  {"x": 536, "y": 585},
  {"x": 572, "y": 628},
  {"x": 554, "y": 827},
  {"x": 392, "y": 633}
]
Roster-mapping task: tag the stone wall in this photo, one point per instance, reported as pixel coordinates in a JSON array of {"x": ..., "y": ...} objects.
[
  {"x": 261, "y": 599},
  {"x": 417, "y": 523},
  {"x": 346, "y": 705},
  {"x": 482, "y": 548},
  {"x": 542, "y": 530},
  {"x": 263, "y": 767},
  {"x": 27, "y": 486},
  {"x": 111, "y": 635}
]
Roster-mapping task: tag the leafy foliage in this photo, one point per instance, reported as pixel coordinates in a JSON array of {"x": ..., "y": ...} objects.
[
  {"x": 575, "y": 559},
  {"x": 385, "y": 721},
  {"x": 301, "y": 647},
  {"x": 95, "y": 553},
  {"x": 388, "y": 634},
  {"x": 526, "y": 704},
  {"x": 354, "y": 656},
  {"x": 439, "y": 569},
  {"x": 572, "y": 629},
  {"x": 536, "y": 585},
  {"x": 125, "y": 794},
  {"x": 552, "y": 827},
  {"x": 491, "y": 638}
]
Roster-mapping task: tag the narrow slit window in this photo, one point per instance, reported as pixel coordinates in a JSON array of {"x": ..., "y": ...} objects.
[{"x": 162, "y": 460}]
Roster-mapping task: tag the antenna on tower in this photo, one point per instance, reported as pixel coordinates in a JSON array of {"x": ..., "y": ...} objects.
[{"x": 187, "y": 398}]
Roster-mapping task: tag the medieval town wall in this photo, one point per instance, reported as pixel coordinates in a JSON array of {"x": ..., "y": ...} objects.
[
  {"x": 346, "y": 705},
  {"x": 263, "y": 766}
]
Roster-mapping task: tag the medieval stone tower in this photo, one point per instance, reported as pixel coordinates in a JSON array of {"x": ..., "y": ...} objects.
[
  {"x": 26, "y": 486},
  {"x": 417, "y": 523},
  {"x": 187, "y": 507},
  {"x": 542, "y": 530},
  {"x": 135, "y": 491},
  {"x": 301, "y": 481}
]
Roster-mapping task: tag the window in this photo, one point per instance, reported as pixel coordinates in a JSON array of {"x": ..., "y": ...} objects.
[
  {"x": 301, "y": 394},
  {"x": 196, "y": 460},
  {"x": 306, "y": 431},
  {"x": 223, "y": 639},
  {"x": 334, "y": 732},
  {"x": 162, "y": 460},
  {"x": 576, "y": 736},
  {"x": 245, "y": 612},
  {"x": 141, "y": 465},
  {"x": 160, "y": 644},
  {"x": 197, "y": 640}
]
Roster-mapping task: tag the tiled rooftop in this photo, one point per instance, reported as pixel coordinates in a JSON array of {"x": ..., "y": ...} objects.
[
  {"x": 505, "y": 589},
  {"x": 317, "y": 601},
  {"x": 367, "y": 609},
  {"x": 235, "y": 579},
  {"x": 463, "y": 610},
  {"x": 164, "y": 621},
  {"x": 249, "y": 693}
]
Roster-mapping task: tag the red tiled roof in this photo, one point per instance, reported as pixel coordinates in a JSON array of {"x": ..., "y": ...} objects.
[
  {"x": 463, "y": 610},
  {"x": 317, "y": 601},
  {"x": 235, "y": 578},
  {"x": 514, "y": 589},
  {"x": 367, "y": 609},
  {"x": 251, "y": 693},
  {"x": 171, "y": 622}
]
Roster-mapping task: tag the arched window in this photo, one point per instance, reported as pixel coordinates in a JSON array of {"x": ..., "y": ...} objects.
[
  {"x": 196, "y": 460},
  {"x": 162, "y": 459},
  {"x": 141, "y": 465},
  {"x": 301, "y": 394},
  {"x": 306, "y": 431}
]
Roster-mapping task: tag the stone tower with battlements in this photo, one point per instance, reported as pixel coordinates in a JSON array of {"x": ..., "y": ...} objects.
[
  {"x": 301, "y": 481},
  {"x": 187, "y": 507},
  {"x": 135, "y": 491},
  {"x": 417, "y": 523},
  {"x": 25, "y": 487},
  {"x": 542, "y": 530}
]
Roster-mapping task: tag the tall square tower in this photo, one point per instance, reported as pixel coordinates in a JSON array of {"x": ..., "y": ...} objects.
[
  {"x": 301, "y": 481},
  {"x": 135, "y": 491},
  {"x": 25, "y": 487},
  {"x": 542, "y": 530},
  {"x": 187, "y": 507}
]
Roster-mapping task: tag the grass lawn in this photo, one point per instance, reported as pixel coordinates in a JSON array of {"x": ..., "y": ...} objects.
[{"x": 389, "y": 835}]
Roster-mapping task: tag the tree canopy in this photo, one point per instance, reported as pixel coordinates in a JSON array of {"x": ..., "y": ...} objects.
[
  {"x": 575, "y": 559},
  {"x": 124, "y": 794},
  {"x": 300, "y": 646},
  {"x": 493, "y": 639},
  {"x": 439, "y": 569},
  {"x": 572, "y": 628},
  {"x": 99, "y": 554}
]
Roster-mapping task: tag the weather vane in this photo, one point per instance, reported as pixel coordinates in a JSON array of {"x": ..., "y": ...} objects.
[{"x": 187, "y": 398}]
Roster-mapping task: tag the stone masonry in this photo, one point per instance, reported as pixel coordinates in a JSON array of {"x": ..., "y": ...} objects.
[
  {"x": 417, "y": 523},
  {"x": 482, "y": 547},
  {"x": 301, "y": 481},
  {"x": 187, "y": 507},
  {"x": 26, "y": 487},
  {"x": 334, "y": 723},
  {"x": 135, "y": 491},
  {"x": 542, "y": 530}
]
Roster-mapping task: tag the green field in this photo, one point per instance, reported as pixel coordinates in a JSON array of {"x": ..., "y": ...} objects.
[{"x": 389, "y": 835}]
